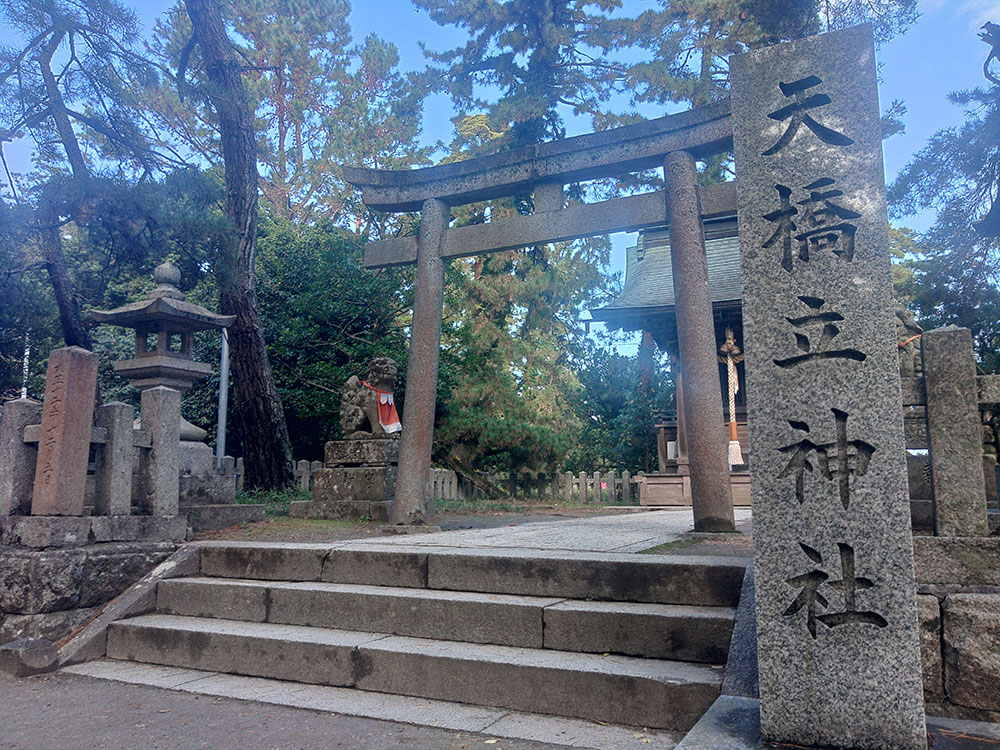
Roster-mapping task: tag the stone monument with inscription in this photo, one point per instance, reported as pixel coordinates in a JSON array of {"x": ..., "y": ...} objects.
[
  {"x": 64, "y": 441},
  {"x": 358, "y": 479},
  {"x": 836, "y": 613}
]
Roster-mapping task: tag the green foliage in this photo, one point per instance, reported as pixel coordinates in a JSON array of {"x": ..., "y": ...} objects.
[
  {"x": 325, "y": 317},
  {"x": 525, "y": 59},
  {"x": 78, "y": 62},
  {"x": 276, "y": 502},
  {"x": 955, "y": 274},
  {"x": 617, "y": 412},
  {"x": 319, "y": 102}
]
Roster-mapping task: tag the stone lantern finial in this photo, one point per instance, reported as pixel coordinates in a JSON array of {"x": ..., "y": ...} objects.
[{"x": 167, "y": 276}]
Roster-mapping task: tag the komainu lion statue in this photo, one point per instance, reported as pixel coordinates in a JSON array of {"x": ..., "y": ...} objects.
[{"x": 367, "y": 407}]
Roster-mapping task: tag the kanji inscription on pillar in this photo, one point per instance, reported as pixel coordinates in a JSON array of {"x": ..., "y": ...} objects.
[
  {"x": 836, "y": 614},
  {"x": 64, "y": 442}
]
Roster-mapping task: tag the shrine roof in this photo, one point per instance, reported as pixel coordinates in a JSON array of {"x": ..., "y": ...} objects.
[{"x": 649, "y": 282}]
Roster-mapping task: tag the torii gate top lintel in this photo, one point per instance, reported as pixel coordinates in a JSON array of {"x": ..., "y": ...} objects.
[{"x": 703, "y": 131}]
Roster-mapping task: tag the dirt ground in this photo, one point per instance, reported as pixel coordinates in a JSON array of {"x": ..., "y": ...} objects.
[{"x": 285, "y": 529}]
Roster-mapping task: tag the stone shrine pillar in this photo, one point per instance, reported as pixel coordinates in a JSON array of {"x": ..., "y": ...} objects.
[
  {"x": 412, "y": 487},
  {"x": 836, "y": 613},
  {"x": 705, "y": 436}
]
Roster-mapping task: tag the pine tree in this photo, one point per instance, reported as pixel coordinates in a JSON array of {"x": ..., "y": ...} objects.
[{"x": 958, "y": 175}]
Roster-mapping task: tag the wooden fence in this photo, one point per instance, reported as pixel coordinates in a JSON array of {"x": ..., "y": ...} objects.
[{"x": 609, "y": 488}]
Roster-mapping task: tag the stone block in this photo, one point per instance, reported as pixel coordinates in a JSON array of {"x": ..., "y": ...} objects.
[
  {"x": 347, "y": 509},
  {"x": 741, "y": 677},
  {"x": 689, "y": 579},
  {"x": 284, "y": 562},
  {"x": 971, "y": 634},
  {"x": 963, "y": 561},
  {"x": 195, "y": 458},
  {"x": 732, "y": 723},
  {"x": 551, "y": 682},
  {"x": 27, "y": 656},
  {"x": 110, "y": 569},
  {"x": 17, "y": 458},
  {"x": 361, "y": 452},
  {"x": 160, "y": 417},
  {"x": 223, "y": 515},
  {"x": 205, "y": 489},
  {"x": 365, "y": 484},
  {"x": 53, "y": 626},
  {"x": 36, "y": 581},
  {"x": 113, "y": 465},
  {"x": 375, "y": 567},
  {"x": 40, "y": 532},
  {"x": 929, "y": 617},
  {"x": 954, "y": 432},
  {"x": 91, "y": 642},
  {"x": 138, "y": 528},
  {"x": 203, "y": 597},
  {"x": 64, "y": 442},
  {"x": 654, "y": 631},
  {"x": 280, "y": 652},
  {"x": 443, "y": 615}
]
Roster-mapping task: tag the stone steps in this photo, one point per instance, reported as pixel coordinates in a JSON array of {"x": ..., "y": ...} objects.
[
  {"x": 619, "y": 638},
  {"x": 664, "y": 631},
  {"x": 659, "y": 579},
  {"x": 616, "y": 689}
]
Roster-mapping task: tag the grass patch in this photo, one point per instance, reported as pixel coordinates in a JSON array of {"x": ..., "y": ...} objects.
[
  {"x": 276, "y": 502},
  {"x": 473, "y": 505},
  {"x": 674, "y": 546}
]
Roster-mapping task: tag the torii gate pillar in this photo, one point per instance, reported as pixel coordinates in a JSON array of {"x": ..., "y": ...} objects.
[
  {"x": 711, "y": 494},
  {"x": 416, "y": 441}
]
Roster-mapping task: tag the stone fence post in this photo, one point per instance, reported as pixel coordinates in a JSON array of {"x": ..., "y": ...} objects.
[
  {"x": 160, "y": 417},
  {"x": 113, "y": 465},
  {"x": 954, "y": 433},
  {"x": 17, "y": 458}
]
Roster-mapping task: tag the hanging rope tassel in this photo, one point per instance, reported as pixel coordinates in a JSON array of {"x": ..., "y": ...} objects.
[{"x": 735, "y": 451}]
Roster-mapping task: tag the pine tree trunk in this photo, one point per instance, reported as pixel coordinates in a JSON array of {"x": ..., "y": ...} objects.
[{"x": 259, "y": 414}]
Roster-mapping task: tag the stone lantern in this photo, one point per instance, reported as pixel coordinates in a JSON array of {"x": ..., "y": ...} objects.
[{"x": 164, "y": 326}]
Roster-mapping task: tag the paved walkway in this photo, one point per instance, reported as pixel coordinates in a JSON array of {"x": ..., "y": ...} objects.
[{"x": 632, "y": 532}]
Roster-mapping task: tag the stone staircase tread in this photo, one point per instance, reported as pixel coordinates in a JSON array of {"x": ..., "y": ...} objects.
[
  {"x": 371, "y": 590},
  {"x": 269, "y": 630},
  {"x": 662, "y": 670},
  {"x": 497, "y": 722},
  {"x": 562, "y": 603}
]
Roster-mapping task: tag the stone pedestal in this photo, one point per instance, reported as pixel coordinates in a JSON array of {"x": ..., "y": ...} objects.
[{"x": 357, "y": 481}]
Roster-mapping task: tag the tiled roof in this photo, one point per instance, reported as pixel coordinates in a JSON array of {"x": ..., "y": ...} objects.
[{"x": 649, "y": 279}]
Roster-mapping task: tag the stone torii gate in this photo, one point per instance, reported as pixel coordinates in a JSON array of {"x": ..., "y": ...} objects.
[{"x": 673, "y": 143}]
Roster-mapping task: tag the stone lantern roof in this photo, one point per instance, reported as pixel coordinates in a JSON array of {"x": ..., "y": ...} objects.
[{"x": 164, "y": 305}]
